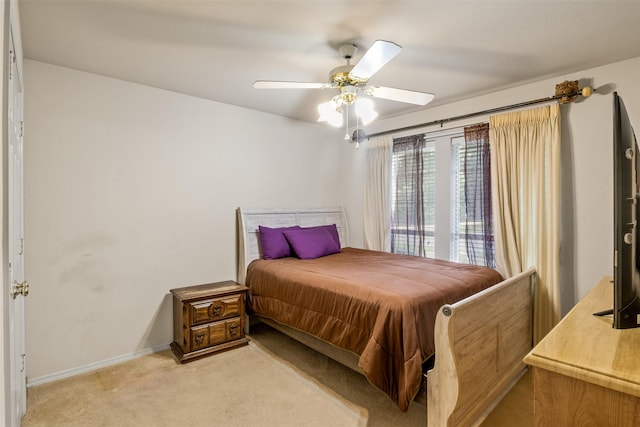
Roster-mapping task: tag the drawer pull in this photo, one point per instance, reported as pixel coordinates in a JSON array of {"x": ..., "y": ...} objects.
[
  {"x": 233, "y": 330},
  {"x": 216, "y": 310},
  {"x": 199, "y": 338}
]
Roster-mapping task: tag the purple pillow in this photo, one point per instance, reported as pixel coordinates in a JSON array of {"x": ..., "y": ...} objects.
[
  {"x": 273, "y": 243},
  {"x": 331, "y": 228},
  {"x": 309, "y": 243}
]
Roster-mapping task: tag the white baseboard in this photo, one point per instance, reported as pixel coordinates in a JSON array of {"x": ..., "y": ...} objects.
[{"x": 32, "y": 382}]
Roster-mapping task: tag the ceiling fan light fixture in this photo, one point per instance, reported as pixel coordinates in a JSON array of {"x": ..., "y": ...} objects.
[
  {"x": 365, "y": 111},
  {"x": 331, "y": 113}
]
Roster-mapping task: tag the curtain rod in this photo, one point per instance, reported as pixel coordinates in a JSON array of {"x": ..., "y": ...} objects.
[{"x": 566, "y": 98}]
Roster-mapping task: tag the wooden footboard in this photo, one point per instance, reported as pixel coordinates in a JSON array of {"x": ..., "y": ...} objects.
[{"x": 480, "y": 343}]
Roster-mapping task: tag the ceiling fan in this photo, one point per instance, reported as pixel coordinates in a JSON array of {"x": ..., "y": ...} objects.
[{"x": 352, "y": 81}]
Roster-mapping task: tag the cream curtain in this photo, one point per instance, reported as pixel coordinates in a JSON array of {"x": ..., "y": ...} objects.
[
  {"x": 525, "y": 175},
  {"x": 377, "y": 193}
]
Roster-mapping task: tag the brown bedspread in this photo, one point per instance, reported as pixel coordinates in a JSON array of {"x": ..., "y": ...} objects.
[{"x": 381, "y": 306}]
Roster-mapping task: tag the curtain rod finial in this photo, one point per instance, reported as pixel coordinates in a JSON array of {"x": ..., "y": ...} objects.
[{"x": 587, "y": 91}]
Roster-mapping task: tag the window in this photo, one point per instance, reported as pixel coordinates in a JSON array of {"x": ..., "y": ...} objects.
[
  {"x": 413, "y": 199},
  {"x": 445, "y": 219}
]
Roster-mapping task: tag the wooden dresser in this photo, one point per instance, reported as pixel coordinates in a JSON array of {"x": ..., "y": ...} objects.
[
  {"x": 585, "y": 373},
  {"x": 207, "y": 319}
]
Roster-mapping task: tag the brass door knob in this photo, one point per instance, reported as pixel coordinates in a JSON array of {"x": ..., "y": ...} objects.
[{"x": 20, "y": 289}]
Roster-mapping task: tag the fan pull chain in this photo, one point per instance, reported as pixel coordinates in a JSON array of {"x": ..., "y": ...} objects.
[
  {"x": 357, "y": 133},
  {"x": 346, "y": 135}
]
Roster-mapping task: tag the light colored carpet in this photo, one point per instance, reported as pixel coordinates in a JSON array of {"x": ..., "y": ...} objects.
[{"x": 274, "y": 381}]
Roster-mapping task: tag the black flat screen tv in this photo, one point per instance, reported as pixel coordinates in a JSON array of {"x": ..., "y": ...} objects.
[{"x": 626, "y": 182}]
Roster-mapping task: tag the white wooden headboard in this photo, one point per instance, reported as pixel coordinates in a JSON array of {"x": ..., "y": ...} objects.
[{"x": 250, "y": 219}]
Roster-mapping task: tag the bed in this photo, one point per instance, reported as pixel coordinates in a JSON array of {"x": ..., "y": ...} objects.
[{"x": 479, "y": 341}]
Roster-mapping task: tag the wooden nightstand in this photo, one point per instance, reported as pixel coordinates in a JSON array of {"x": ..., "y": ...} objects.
[{"x": 207, "y": 319}]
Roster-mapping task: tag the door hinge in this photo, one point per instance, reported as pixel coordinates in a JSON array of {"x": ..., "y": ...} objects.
[
  {"x": 21, "y": 246},
  {"x": 23, "y": 357},
  {"x": 12, "y": 60},
  {"x": 21, "y": 129}
]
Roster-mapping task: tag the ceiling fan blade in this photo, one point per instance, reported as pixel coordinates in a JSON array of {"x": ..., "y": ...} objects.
[
  {"x": 400, "y": 95},
  {"x": 267, "y": 84},
  {"x": 380, "y": 52}
]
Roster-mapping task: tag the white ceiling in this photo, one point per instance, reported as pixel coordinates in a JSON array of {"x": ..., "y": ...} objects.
[{"x": 215, "y": 49}]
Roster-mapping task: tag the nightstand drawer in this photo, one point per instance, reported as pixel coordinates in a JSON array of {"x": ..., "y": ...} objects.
[
  {"x": 216, "y": 333},
  {"x": 210, "y": 310},
  {"x": 199, "y": 337}
]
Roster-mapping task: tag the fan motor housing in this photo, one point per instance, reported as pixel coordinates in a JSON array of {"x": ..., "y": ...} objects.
[{"x": 339, "y": 77}]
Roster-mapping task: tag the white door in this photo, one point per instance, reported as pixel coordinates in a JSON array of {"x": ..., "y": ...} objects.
[{"x": 19, "y": 288}]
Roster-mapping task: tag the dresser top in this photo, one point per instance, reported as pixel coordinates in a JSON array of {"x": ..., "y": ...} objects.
[
  {"x": 207, "y": 290},
  {"x": 586, "y": 347}
]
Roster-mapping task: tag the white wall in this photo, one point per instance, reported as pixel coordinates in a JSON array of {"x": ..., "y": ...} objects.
[
  {"x": 132, "y": 191},
  {"x": 587, "y": 165}
]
